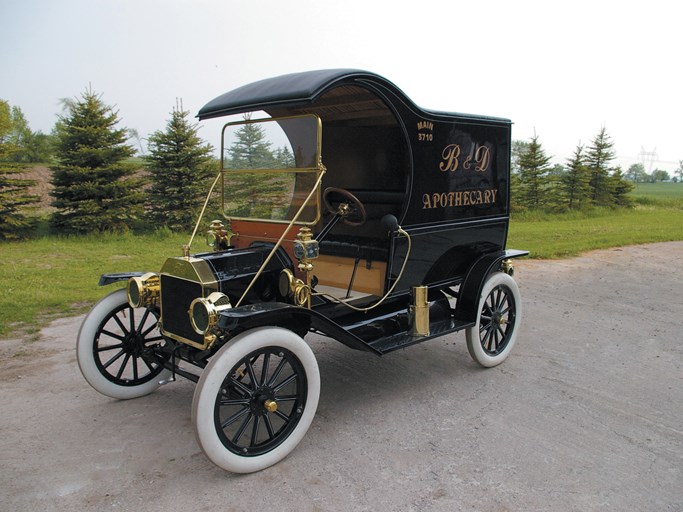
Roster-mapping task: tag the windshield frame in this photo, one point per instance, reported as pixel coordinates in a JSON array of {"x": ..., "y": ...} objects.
[{"x": 315, "y": 170}]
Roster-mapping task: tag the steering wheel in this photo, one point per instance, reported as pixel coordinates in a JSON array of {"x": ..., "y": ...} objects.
[{"x": 333, "y": 199}]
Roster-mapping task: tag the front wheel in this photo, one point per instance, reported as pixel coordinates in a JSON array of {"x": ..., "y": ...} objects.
[
  {"x": 500, "y": 313},
  {"x": 256, "y": 399},
  {"x": 113, "y": 348}
]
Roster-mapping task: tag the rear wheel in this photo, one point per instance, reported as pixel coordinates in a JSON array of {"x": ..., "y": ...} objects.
[
  {"x": 500, "y": 313},
  {"x": 256, "y": 399},
  {"x": 113, "y": 348}
]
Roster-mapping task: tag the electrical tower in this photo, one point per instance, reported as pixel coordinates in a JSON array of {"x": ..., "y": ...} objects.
[{"x": 648, "y": 158}]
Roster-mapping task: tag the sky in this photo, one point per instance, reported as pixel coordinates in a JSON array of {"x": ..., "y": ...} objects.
[{"x": 559, "y": 70}]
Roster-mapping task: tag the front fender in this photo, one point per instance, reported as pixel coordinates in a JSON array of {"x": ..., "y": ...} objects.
[{"x": 115, "y": 277}]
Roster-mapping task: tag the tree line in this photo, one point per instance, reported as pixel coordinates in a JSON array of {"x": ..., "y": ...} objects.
[
  {"x": 588, "y": 179},
  {"x": 96, "y": 187}
]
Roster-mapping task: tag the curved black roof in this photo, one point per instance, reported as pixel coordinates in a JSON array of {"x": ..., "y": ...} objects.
[
  {"x": 286, "y": 90},
  {"x": 298, "y": 89}
]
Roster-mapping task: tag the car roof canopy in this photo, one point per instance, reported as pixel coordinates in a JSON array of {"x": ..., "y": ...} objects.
[{"x": 283, "y": 95}]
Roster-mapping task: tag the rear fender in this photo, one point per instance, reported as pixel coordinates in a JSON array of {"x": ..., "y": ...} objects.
[{"x": 466, "y": 309}]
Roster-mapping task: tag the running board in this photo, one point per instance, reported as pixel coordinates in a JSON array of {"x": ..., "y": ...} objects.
[{"x": 404, "y": 339}]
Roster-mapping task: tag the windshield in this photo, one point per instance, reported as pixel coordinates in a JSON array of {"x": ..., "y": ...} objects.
[{"x": 269, "y": 168}]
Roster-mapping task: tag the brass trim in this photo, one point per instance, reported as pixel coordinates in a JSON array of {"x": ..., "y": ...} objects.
[
  {"x": 180, "y": 267},
  {"x": 270, "y": 405},
  {"x": 213, "y": 305},
  {"x": 419, "y": 311},
  {"x": 507, "y": 267},
  {"x": 302, "y": 293},
  {"x": 202, "y": 346},
  {"x": 147, "y": 288},
  {"x": 194, "y": 270},
  {"x": 286, "y": 282}
]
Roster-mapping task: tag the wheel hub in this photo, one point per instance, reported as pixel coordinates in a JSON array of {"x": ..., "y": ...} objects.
[
  {"x": 263, "y": 401},
  {"x": 133, "y": 344},
  {"x": 498, "y": 319}
]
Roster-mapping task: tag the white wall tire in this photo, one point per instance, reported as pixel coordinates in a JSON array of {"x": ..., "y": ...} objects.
[
  {"x": 499, "y": 315},
  {"x": 230, "y": 409},
  {"x": 110, "y": 344}
]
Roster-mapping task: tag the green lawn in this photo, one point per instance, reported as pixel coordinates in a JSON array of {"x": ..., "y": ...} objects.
[
  {"x": 656, "y": 217},
  {"x": 55, "y": 276},
  {"x": 559, "y": 236},
  {"x": 51, "y": 276}
]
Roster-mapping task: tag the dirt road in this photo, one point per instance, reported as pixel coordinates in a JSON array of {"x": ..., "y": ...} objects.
[{"x": 586, "y": 414}]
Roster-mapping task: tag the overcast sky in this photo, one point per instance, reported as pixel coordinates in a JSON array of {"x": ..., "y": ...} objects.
[{"x": 561, "y": 69}]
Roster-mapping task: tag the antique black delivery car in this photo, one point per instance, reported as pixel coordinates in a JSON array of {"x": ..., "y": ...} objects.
[{"x": 344, "y": 210}]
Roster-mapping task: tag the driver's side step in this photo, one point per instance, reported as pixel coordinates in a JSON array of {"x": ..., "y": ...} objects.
[{"x": 405, "y": 339}]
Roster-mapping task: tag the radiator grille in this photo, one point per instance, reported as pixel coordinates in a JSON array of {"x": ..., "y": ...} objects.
[{"x": 176, "y": 296}]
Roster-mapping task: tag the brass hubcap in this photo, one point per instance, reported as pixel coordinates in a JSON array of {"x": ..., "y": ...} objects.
[
  {"x": 270, "y": 405},
  {"x": 499, "y": 319}
]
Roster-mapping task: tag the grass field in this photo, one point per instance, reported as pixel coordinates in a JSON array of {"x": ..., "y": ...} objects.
[
  {"x": 55, "y": 276},
  {"x": 668, "y": 191},
  {"x": 656, "y": 217},
  {"x": 51, "y": 277},
  {"x": 559, "y": 236}
]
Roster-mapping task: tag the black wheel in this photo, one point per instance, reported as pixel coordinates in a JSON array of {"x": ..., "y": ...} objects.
[
  {"x": 500, "y": 312},
  {"x": 113, "y": 348},
  {"x": 256, "y": 399}
]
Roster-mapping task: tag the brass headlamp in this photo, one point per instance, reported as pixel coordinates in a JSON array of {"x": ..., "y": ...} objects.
[
  {"x": 204, "y": 311},
  {"x": 294, "y": 288},
  {"x": 144, "y": 291}
]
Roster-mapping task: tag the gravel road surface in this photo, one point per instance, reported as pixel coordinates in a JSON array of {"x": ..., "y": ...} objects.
[{"x": 586, "y": 414}]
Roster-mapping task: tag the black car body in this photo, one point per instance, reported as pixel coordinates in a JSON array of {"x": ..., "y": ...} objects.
[{"x": 379, "y": 225}]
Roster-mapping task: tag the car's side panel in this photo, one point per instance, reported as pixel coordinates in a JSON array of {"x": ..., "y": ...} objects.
[{"x": 442, "y": 254}]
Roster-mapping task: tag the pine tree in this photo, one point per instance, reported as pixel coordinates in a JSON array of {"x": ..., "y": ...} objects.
[
  {"x": 519, "y": 147},
  {"x": 284, "y": 158},
  {"x": 251, "y": 149},
  {"x": 179, "y": 164},
  {"x": 258, "y": 195},
  {"x": 575, "y": 180},
  {"x": 13, "y": 191},
  {"x": 600, "y": 154},
  {"x": 619, "y": 188},
  {"x": 533, "y": 175},
  {"x": 94, "y": 189}
]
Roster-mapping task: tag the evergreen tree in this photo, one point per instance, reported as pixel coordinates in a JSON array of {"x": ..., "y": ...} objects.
[
  {"x": 13, "y": 191},
  {"x": 679, "y": 171},
  {"x": 519, "y": 147},
  {"x": 534, "y": 167},
  {"x": 619, "y": 188},
  {"x": 284, "y": 158},
  {"x": 94, "y": 189},
  {"x": 179, "y": 164},
  {"x": 251, "y": 149},
  {"x": 575, "y": 180},
  {"x": 258, "y": 195},
  {"x": 600, "y": 154}
]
